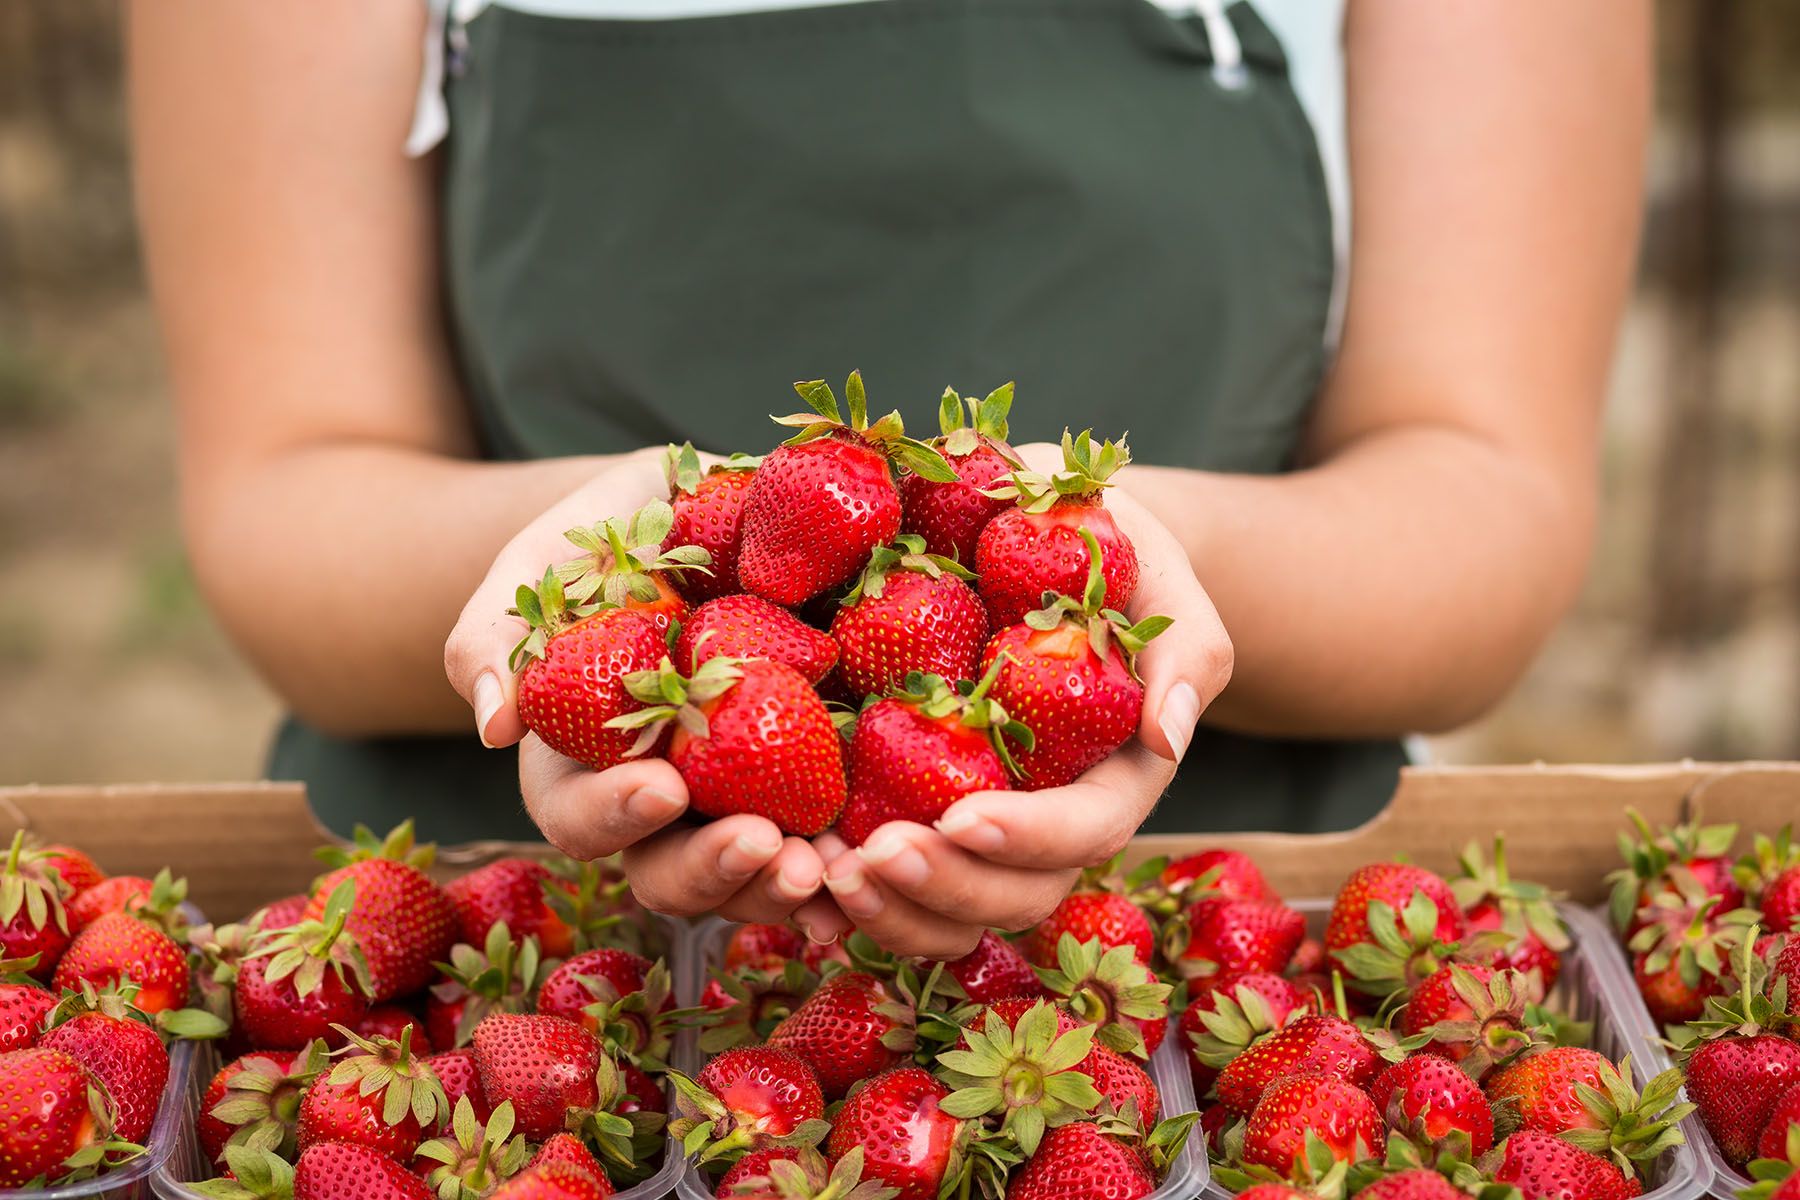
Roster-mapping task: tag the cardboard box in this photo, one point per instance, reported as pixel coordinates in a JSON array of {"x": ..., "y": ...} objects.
[{"x": 243, "y": 844}]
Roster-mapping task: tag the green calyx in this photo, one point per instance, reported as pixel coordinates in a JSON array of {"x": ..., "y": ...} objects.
[
  {"x": 620, "y": 556},
  {"x": 546, "y": 610},
  {"x": 1316, "y": 1170},
  {"x": 503, "y": 976},
  {"x": 634, "y": 1026},
  {"x": 474, "y": 1158},
  {"x": 811, "y": 1177},
  {"x": 313, "y": 947},
  {"x": 385, "y": 1066},
  {"x": 965, "y": 421},
  {"x": 684, "y": 471},
  {"x": 1767, "y": 859},
  {"x": 1500, "y": 1027},
  {"x": 1026, "y": 1075},
  {"x": 1105, "y": 987},
  {"x": 1751, "y": 1009},
  {"x": 1104, "y": 625},
  {"x": 628, "y": 1143},
  {"x": 256, "y": 1175},
  {"x": 40, "y": 897},
  {"x": 906, "y": 554},
  {"x": 118, "y": 1001},
  {"x": 1234, "y": 1023},
  {"x": 1698, "y": 949},
  {"x": 708, "y": 1132},
  {"x": 1086, "y": 472},
  {"x": 1651, "y": 855},
  {"x": 761, "y": 1000},
  {"x": 262, "y": 1101},
  {"x": 1405, "y": 949},
  {"x": 671, "y": 696},
  {"x": 1525, "y": 908},
  {"x": 1768, "y": 1174},
  {"x": 935, "y": 698},
  {"x": 888, "y": 434},
  {"x": 594, "y": 909},
  {"x": 399, "y": 845},
  {"x": 1635, "y": 1128}
]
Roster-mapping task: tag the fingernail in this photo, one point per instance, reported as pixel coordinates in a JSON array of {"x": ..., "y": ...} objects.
[
  {"x": 853, "y": 893},
  {"x": 814, "y": 938},
  {"x": 1180, "y": 711},
  {"x": 971, "y": 831},
  {"x": 901, "y": 864},
  {"x": 489, "y": 696},
  {"x": 746, "y": 854},
  {"x": 650, "y": 805}
]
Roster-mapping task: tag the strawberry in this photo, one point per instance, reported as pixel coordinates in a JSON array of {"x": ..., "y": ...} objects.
[
  {"x": 853, "y": 1027},
  {"x": 826, "y": 497},
  {"x": 461, "y": 1078},
  {"x": 32, "y": 920},
  {"x": 1770, "y": 873},
  {"x": 284, "y": 913},
  {"x": 1056, "y": 534},
  {"x": 504, "y": 977},
  {"x": 390, "y": 1021},
  {"x": 750, "y": 1003},
  {"x": 1298, "y": 1108},
  {"x": 572, "y": 667},
  {"x": 1475, "y": 1015},
  {"x": 1429, "y": 1098},
  {"x": 569, "y": 1151},
  {"x": 804, "y": 1174},
  {"x": 1419, "y": 1183},
  {"x": 1544, "y": 1167},
  {"x": 1216, "y": 937},
  {"x": 117, "y": 946},
  {"x": 909, "y": 611},
  {"x": 747, "y": 1099},
  {"x": 1736, "y": 1081},
  {"x": 750, "y": 736},
  {"x": 761, "y": 946},
  {"x": 1543, "y": 1086},
  {"x": 1081, "y": 1161},
  {"x": 23, "y": 1007},
  {"x": 117, "y": 894},
  {"x": 402, "y": 920},
  {"x": 1111, "y": 990},
  {"x": 1229, "y": 873},
  {"x": 77, "y": 871},
  {"x": 343, "y": 1171},
  {"x": 1675, "y": 859},
  {"x": 545, "y": 1066},
  {"x": 1393, "y": 885},
  {"x": 1314, "y": 1045},
  {"x": 302, "y": 981},
  {"x": 623, "y": 564},
  {"x": 254, "y": 1101},
  {"x": 53, "y": 1118},
  {"x": 1231, "y": 1015},
  {"x": 617, "y": 994},
  {"x": 105, "y": 1033},
  {"x": 752, "y": 1169},
  {"x": 746, "y": 626},
  {"x": 919, "y": 751},
  {"x": 1273, "y": 1191},
  {"x": 1070, "y": 676},
  {"x": 1784, "y": 1118},
  {"x": 1525, "y": 913},
  {"x": 1024, "y": 1070},
  {"x": 994, "y": 970},
  {"x": 950, "y": 515},
  {"x": 518, "y": 893},
  {"x": 1581, "y": 1097},
  {"x": 475, "y": 1155},
  {"x": 378, "y": 1096},
  {"x": 554, "y": 1181},
  {"x": 1112, "y": 918},
  {"x": 907, "y": 1140},
  {"x": 1124, "y": 1085},
  {"x": 709, "y": 511},
  {"x": 1403, "y": 948}
]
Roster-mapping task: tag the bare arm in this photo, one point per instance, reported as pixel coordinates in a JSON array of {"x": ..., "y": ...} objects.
[
  {"x": 332, "y": 513},
  {"x": 1406, "y": 577}
]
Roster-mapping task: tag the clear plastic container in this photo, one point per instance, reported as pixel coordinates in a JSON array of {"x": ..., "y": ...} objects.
[
  {"x": 186, "y": 1164},
  {"x": 1188, "y": 1173},
  {"x": 1588, "y": 990},
  {"x": 1724, "y": 1179}
]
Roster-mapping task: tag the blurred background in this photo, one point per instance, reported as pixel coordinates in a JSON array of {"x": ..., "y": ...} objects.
[{"x": 1686, "y": 641}]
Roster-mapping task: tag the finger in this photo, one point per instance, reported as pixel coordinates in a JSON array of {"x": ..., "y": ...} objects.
[
  {"x": 1093, "y": 817},
  {"x": 683, "y": 872},
  {"x": 1186, "y": 668},
  {"x": 792, "y": 877},
  {"x": 897, "y": 923},
  {"x": 590, "y": 814},
  {"x": 935, "y": 873},
  {"x": 822, "y": 921}
]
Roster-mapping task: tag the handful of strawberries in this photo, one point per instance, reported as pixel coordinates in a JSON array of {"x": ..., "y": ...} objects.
[{"x": 970, "y": 608}]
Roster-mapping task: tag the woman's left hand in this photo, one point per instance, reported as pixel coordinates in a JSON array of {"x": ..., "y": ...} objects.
[{"x": 1005, "y": 859}]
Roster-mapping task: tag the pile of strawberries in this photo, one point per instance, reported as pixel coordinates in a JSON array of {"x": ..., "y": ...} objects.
[
  {"x": 968, "y": 606},
  {"x": 1716, "y": 955}
]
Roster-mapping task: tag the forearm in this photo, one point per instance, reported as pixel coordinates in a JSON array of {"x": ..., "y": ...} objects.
[
  {"x": 339, "y": 567},
  {"x": 1401, "y": 586}
]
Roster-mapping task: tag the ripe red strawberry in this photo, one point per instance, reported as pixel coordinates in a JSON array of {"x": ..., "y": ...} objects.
[
  {"x": 117, "y": 894},
  {"x": 1784, "y": 1118},
  {"x": 78, "y": 871},
  {"x": 23, "y": 1007},
  {"x": 1230, "y": 1014},
  {"x": 1112, "y": 918},
  {"x": 284, "y": 913},
  {"x": 951, "y": 515},
  {"x": 709, "y": 512},
  {"x": 51, "y": 1109},
  {"x": 1056, "y": 533},
  {"x": 390, "y": 1021},
  {"x": 747, "y": 1004},
  {"x": 916, "y": 753},
  {"x": 748, "y": 1099},
  {"x": 1393, "y": 884},
  {"x": 1581, "y": 1097},
  {"x": 303, "y": 980},
  {"x": 259, "y": 1095},
  {"x": 1078, "y": 1162},
  {"x": 554, "y": 1181},
  {"x": 572, "y": 668},
  {"x": 1315, "y": 1045},
  {"x": 1230, "y": 873},
  {"x": 1328, "y": 1107},
  {"x": 1544, "y": 1167},
  {"x": 461, "y": 1078},
  {"x": 569, "y": 1151},
  {"x": 855, "y": 1026},
  {"x": 1736, "y": 1081},
  {"x": 1273, "y": 1191},
  {"x": 750, "y": 736},
  {"x": 906, "y": 1137},
  {"x": 108, "y": 1036},
  {"x": 761, "y": 946},
  {"x": 342, "y": 1171},
  {"x": 516, "y": 891},
  {"x": 379, "y": 1096},
  {"x": 545, "y": 1066},
  {"x": 1107, "y": 987},
  {"x": 1494, "y": 902},
  {"x": 1023, "y": 1062},
  {"x": 618, "y": 995},
  {"x": 909, "y": 611},
  {"x": 1069, "y": 674},
  {"x": 1217, "y": 937},
  {"x": 994, "y": 970},
  {"x": 1121, "y": 1082},
  {"x": 32, "y": 920},
  {"x": 118, "y": 945},
  {"x": 1476, "y": 1015},
  {"x": 1430, "y": 1098},
  {"x": 1780, "y": 901},
  {"x": 755, "y": 1166},
  {"x": 746, "y": 626},
  {"x": 823, "y": 500},
  {"x": 623, "y": 563},
  {"x": 1418, "y": 1183},
  {"x": 1542, "y": 1087},
  {"x": 1680, "y": 858},
  {"x": 403, "y": 921}
]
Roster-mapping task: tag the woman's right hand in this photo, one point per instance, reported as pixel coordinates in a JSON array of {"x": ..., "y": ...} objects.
[{"x": 741, "y": 867}]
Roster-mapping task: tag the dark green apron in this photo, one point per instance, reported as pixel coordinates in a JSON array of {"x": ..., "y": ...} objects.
[{"x": 651, "y": 227}]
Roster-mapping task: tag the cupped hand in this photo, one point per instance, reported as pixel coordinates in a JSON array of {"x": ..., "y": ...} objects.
[
  {"x": 1005, "y": 859},
  {"x": 741, "y": 867}
]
